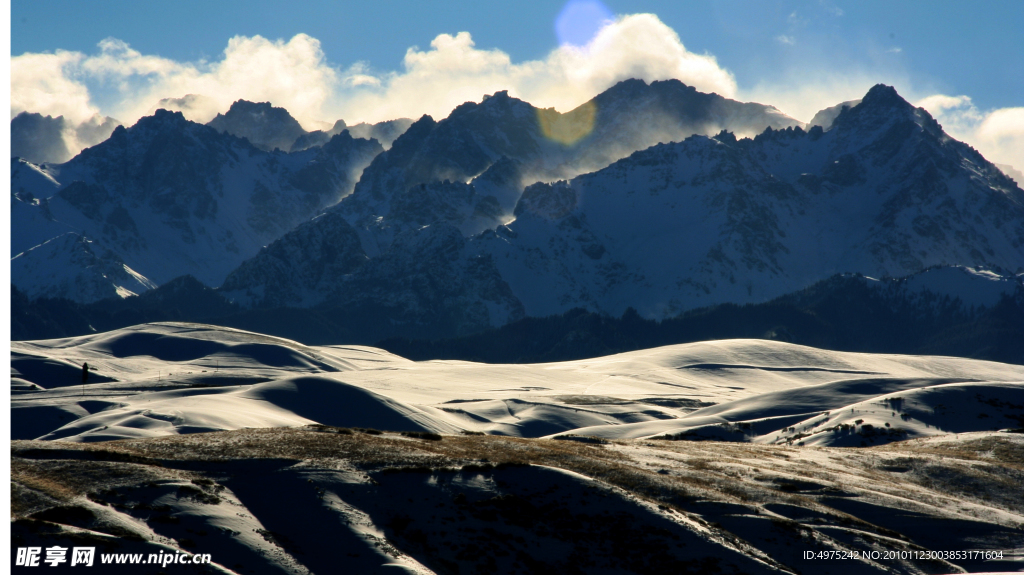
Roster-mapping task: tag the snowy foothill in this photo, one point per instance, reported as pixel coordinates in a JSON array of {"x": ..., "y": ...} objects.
[{"x": 172, "y": 378}]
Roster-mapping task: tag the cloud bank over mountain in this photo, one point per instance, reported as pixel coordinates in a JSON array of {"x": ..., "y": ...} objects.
[{"x": 297, "y": 75}]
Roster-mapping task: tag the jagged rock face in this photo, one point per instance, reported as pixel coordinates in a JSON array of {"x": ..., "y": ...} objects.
[
  {"x": 306, "y": 266},
  {"x": 71, "y": 267},
  {"x": 265, "y": 126},
  {"x": 43, "y": 139},
  {"x": 317, "y": 137},
  {"x": 301, "y": 269},
  {"x": 884, "y": 192},
  {"x": 633, "y": 116},
  {"x": 542, "y": 144},
  {"x": 426, "y": 281},
  {"x": 39, "y": 138},
  {"x": 171, "y": 197},
  {"x": 458, "y": 148},
  {"x": 384, "y": 132},
  {"x": 824, "y": 118},
  {"x": 431, "y": 281},
  {"x": 713, "y": 220}
]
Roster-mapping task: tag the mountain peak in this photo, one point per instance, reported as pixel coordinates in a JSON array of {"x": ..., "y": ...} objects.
[
  {"x": 247, "y": 107},
  {"x": 162, "y": 119},
  {"x": 884, "y": 97},
  {"x": 503, "y": 94},
  {"x": 881, "y": 106},
  {"x": 625, "y": 88},
  {"x": 264, "y": 125}
]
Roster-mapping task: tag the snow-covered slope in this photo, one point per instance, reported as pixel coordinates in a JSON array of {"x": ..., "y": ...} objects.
[
  {"x": 160, "y": 379},
  {"x": 468, "y": 170},
  {"x": 884, "y": 192},
  {"x": 68, "y": 266},
  {"x": 712, "y": 220},
  {"x": 209, "y": 421},
  {"x": 630, "y": 116},
  {"x": 31, "y": 221},
  {"x": 170, "y": 197}
]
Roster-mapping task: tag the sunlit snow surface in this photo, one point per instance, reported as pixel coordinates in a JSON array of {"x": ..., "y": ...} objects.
[{"x": 171, "y": 378}]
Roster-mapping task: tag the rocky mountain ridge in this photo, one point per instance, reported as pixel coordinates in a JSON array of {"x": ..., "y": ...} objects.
[
  {"x": 169, "y": 197},
  {"x": 708, "y": 220},
  {"x": 44, "y": 139},
  {"x": 268, "y": 128},
  {"x": 883, "y": 191}
]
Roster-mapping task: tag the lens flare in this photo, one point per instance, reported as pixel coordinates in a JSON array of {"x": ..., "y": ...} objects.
[
  {"x": 567, "y": 129},
  {"x": 580, "y": 20}
]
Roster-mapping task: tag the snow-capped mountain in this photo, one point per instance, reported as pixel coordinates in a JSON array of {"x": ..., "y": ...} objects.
[
  {"x": 171, "y": 197},
  {"x": 71, "y": 267},
  {"x": 266, "y": 127},
  {"x": 269, "y": 128},
  {"x": 384, "y": 132},
  {"x": 469, "y": 169},
  {"x": 824, "y": 118},
  {"x": 633, "y": 116},
  {"x": 883, "y": 192},
  {"x": 44, "y": 139}
]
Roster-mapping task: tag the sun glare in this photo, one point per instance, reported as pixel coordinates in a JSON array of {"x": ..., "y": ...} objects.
[
  {"x": 580, "y": 20},
  {"x": 567, "y": 129}
]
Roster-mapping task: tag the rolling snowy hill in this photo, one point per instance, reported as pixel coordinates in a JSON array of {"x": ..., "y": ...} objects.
[{"x": 155, "y": 373}]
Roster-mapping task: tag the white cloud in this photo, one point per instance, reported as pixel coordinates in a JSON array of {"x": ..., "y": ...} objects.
[
  {"x": 45, "y": 84},
  {"x": 788, "y": 40},
  {"x": 121, "y": 82},
  {"x": 295, "y": 74},
  {"x": 292, "y": 74},
  {"x": 454, "y": 71}
]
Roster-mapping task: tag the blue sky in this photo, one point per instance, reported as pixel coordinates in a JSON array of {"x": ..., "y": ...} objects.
[{"x": 349, "y": 59}]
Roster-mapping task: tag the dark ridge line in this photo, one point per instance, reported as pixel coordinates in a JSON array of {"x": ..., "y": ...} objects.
[{"x": 714, "y": 366}]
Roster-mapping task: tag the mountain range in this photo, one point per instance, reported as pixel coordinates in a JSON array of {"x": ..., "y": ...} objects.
[
  {"x": 269, "y": 128},
  {"x": 703, "y": 221},
  {"x": 168, "y": 197},
  {"x": 44, "y": 139},
  {"x": 643, "y": 198},
  {"x": 952, "y": 311}
]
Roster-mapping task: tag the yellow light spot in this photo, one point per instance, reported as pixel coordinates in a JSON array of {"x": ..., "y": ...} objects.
[{"x": 569, "y": 128}]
